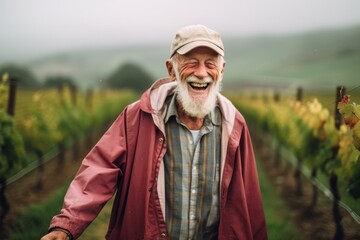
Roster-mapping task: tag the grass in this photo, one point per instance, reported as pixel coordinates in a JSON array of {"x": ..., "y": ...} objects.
[
  {"x": 278, "y": 220},
  {"x": 33, "y": 223}
]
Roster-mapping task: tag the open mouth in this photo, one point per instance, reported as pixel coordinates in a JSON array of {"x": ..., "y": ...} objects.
[{"x": 198, "y": 86}]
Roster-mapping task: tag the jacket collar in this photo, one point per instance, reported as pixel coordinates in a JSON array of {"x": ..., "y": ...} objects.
[{"x": 153, "y": 99}]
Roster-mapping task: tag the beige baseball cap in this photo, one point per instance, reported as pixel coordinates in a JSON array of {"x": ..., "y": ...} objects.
[{"x": 193, "y": 36}]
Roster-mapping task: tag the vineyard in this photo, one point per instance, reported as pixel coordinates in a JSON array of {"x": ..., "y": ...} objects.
[
  {"x": 53, "y": 118},
  {"x": 36, "y": 125},
  {"x": 320, "y": 144},
  {"x": 317, "y": 138}
]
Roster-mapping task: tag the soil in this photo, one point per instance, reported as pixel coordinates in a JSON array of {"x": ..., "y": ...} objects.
[{"x": 316, "y": 224}]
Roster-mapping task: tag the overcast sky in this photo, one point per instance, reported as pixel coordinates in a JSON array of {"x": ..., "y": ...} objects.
[{"x": 34, "y": 27}]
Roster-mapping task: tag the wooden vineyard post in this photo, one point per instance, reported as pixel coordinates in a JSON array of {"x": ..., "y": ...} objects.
[
  {"x": 76, "y": 149},
  {"x": 277, "y": 155},
  {"x": 297, "y": 174},
  {"x": 61, "y": 94},
  {"x": 40, "y": 176},
  {"x": 299, "y": 94},
  {"x": 12, "y": 96},
  {"x": 89, "y": 107},
  {"x": 4, "y": 205},
  {"x": 333, "y": 179},
  {"x": 74, "y": 96},
  {"x": 89, "y": 99},
  {"x": 314, "y": 198},
  {"x": 61, "y": 145}
]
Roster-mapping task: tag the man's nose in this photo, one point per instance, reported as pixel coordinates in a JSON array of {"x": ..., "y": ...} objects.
[{"x": 201, "y": 71}]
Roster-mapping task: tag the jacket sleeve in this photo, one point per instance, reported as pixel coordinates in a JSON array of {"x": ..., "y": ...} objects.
[
  {"x": 95, "y": 181},
  {"x": 252, "y": 188}
]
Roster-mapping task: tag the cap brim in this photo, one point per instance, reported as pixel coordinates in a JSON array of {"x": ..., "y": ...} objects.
[{"x": 190, "y": 46}]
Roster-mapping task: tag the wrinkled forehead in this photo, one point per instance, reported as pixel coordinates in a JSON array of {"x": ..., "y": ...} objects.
[{"x": 198, "y": 53}]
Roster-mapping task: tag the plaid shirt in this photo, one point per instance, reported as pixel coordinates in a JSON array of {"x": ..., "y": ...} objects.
[{"x": 192, "y": 177}]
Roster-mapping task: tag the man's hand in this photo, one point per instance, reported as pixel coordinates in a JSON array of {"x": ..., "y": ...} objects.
[{"x": 55, "y": 235}]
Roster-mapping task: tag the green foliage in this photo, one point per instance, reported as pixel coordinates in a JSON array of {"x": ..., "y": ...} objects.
[
  {"x": 12, "y": 151},
  {"x": 308, "y": 130},
  {"x": 24, "y": 76},
  {"x": 39, "y": 129},
  {"x": 278, "y": 219},
  {"x": 72, "y": 120},
  {"x": 354, "y": 183},
  {"x": 351, "y": 114},
  {"x": 356, "y": 135},
  {"x": 4, "y": 89},
  {"x": 33, "y": 223},
  {"x": 54, "y": 119},
  {"x": 130, "y": 76}
]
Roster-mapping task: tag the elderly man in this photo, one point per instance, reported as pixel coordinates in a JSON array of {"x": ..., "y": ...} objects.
[{"x": 180, "y": 159}]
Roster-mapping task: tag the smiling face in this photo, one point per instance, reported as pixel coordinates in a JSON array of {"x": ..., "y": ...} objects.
[{"x": 199, "y": 73}]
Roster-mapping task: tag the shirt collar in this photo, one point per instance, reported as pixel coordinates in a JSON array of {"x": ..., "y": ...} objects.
[{"x": 214, "y": 115}]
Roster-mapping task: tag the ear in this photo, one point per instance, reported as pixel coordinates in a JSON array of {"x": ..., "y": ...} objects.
[
  {"x": 170, "y": 69},
  {"x": 223, "y": 68}
]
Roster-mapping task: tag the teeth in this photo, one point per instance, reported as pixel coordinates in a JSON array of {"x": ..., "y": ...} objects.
[{"x": 199, "y": 85}]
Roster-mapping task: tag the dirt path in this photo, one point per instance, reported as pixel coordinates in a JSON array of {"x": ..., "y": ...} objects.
[{"x": 317, "y": 224}]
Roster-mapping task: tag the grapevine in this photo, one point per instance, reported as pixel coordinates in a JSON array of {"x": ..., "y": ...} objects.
[
  {"x": 351, "y": 115},
  {"x": 4, "y": 88},
  {"x": 12, "y": 152},
  {"x": 45, "y": 119},
  {"x": 308, "y": 130}
]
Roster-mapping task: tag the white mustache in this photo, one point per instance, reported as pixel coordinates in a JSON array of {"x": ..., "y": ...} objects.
[{"x": 193, "y": 79}]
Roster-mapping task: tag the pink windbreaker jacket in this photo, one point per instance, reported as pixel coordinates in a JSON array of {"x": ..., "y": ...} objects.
[{"x": 128, "y": 160}]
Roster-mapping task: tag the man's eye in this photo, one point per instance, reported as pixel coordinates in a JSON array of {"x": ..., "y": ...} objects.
[
  {"x": 211, "y": 65},
  {"x": 191, "y": 64}
]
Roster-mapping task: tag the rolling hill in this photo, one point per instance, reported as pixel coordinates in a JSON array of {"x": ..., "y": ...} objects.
[{"x": 324, "y": 58}]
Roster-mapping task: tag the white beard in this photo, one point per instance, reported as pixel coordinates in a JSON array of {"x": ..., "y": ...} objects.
[{"x": 197, "y": 106}]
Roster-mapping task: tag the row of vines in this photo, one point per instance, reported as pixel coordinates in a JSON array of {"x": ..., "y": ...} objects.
[
  {"x": 316, "y": 138},
  {"x": 48, "y": 119}
]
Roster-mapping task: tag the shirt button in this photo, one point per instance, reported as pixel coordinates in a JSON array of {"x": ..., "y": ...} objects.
[
  {"x": 193, "y": 191},
  {"x": 161, "y": 139},
  {"x": 163, "y": 235}
]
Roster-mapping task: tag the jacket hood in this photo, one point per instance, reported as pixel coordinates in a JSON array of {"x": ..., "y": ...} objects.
[{"x": 153, "y": 99}]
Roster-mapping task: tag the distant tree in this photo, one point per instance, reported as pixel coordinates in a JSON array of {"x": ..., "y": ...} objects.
[
  {"x": 130, "y": 75},
  {"x": 25, "y": 77},
  {"x": 59, "y": 81}
]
